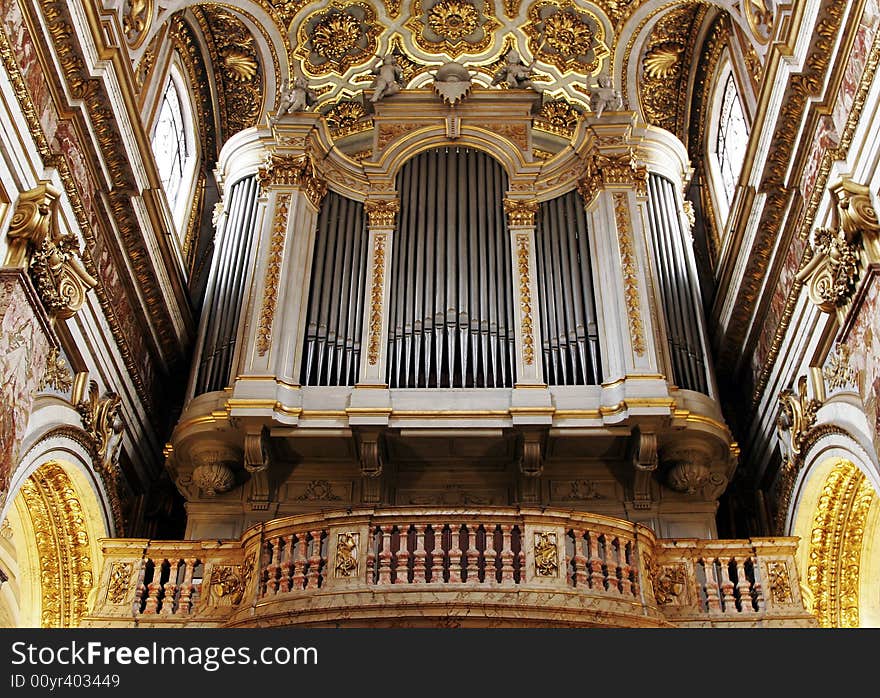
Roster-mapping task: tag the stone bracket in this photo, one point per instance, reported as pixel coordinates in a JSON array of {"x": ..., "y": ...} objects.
[
  {"x": 643, "y": 453},
  {"x": 371, "y": 454}
]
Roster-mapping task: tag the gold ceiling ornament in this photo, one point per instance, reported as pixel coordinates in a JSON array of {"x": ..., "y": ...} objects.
[
  {"x": 511, "y": 8},
  {"x": 286, "y": 10},
  {"x": 760, "y": 18},
  {"x": 662, "y": 60},
  {"x": 62, "y": 543},
  {"x": 347, "y": 117},
  {"x": 619, "y": 10},
  {"x": 663, "y": 79},
  {"x": 52, "y": 257},
  {"x": 137, "y": 16},
  {"x": 453, "y": 27},
  {"x": 240, "y": 81},
  {"x": 835, "y": 546},
  {"x": 557, "y": 117},
  {"x": 567, "y": 36},
  {"x": 333, "y": 40},
  {"x": 392, "y": 7},
  {"x": 834, "y": 270}
]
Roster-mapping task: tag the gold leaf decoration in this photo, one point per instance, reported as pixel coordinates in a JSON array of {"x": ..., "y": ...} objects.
[
  {"x": 241, "y": 66},
  {"x": 661, "y": 61}
]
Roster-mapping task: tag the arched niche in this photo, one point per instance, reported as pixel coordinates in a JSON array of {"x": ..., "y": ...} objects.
[
  {"x": 49, "y": 551},
  {"x": 836, "y": 516}
]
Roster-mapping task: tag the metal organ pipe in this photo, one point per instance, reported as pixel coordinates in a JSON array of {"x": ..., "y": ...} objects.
[
  {"x": 223, "y": 304},
  {"x": 569, "y": 334},
  {"x": 332, "y": 347},
  {"x": 451, "y": 311},
  {"x": 677, "y": 286}
]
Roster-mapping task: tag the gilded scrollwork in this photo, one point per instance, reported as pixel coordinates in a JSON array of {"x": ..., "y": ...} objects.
[
  {"x": 137, "y": 16},
  {"x": 557, "y": 116},
  {"x": 346, "y": 118},
  {"x": 51, "y": 256},
  {"x": 101, "y": 417},
  {"x": 546, "y": 554},
  {"x": 796, "y": 417}
]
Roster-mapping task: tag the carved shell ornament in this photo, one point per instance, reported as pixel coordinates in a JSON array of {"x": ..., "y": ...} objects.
[{"x": 661, "y": 61}]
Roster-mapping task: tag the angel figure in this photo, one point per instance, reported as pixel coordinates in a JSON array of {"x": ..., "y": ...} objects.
[
  {"x": 604, "y": 97},
  {"x": 516, "y": 73},
  {"x": 389, "y": 78},
  {"x": 296, "y": 97}
]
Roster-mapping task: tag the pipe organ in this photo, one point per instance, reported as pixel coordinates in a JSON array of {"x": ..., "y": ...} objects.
[
  {"x": 225, "y": 292},
  {"x": 332, "y": 347},
  {"x": 569, "y": 329},
  {"x": 451, "y": 301},
  {"x": 678, "y": 286},
  {"x": 451, "y": 321}
]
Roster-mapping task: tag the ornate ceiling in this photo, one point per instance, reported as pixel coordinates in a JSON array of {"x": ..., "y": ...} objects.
[{"x": 648, "y": 46}]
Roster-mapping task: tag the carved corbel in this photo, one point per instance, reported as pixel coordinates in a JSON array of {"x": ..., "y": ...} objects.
[
  {"x": 643, "y": 453},
  {"x": 841, "y": 250},
  {"x": 101, "y": 418},
  {"x": 256, "y": 462},
  {"x": 52, "y": 257},
  {"x": 797, "y": 415},
  {"x": 531, "y": 464},
  {"x": 372, "y": 460}
]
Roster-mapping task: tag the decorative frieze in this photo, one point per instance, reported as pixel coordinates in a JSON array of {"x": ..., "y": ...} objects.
[{"x": 52, "y": 257}]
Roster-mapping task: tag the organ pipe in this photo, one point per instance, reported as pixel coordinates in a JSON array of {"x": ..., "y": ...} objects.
[
  {"x": 334, "y": 320},
  {"x": 451, "y": 304},
  {"x": 677, "y": 286},
  {"x": 566, "y": 302},
  {"x": 223, "y": 300}
]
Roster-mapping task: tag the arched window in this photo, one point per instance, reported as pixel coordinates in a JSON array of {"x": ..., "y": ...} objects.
[
  {"x": 730, "y": 135},
  {"x": 174, "y": 145}
]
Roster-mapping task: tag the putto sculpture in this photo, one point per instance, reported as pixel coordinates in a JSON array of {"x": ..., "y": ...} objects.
[
  {"x": 603, "y": 97},
  {"x": 296, "y": 97},
  {"x": 389, "y": 78},
  {"x": 515, "y": 73}
]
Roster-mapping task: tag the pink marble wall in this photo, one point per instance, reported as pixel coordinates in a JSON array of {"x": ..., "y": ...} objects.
[
  {"x": 64, "y": 140},
  {"x": 24, "y": 345},
  {"x": 863, "y": 341},
  {"x": 827, "y": 136}
]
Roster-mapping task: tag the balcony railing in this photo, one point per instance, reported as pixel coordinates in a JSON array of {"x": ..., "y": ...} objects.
[{"x": 498, "y": 566}]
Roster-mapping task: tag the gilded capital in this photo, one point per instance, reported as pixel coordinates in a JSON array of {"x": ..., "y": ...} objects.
[
  {"x": 293, "y": 171},
  {"x": 520, "y": 213},
  {"x": 620, "y": 170},
  {"x": 52, "y": 257},
  {"x": 382, "y": 212}
]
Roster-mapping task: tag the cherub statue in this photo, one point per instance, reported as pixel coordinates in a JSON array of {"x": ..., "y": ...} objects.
[
  {"x": 604, "y": 96},
  {"x": 296, "y": 97},
  {"x": 389, "y": 78},
  {"x": 516, "y": 73}
]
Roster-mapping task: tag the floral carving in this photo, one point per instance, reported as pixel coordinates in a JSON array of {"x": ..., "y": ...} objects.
[
  {"x": 120, "y": 576},
  {"x": 566, "y": 36},
  {"x": 377, "y": 292},
  {"x": 347, "y": 117},
  {"x": 557, "y": 117},
  {"x": 452, "y": 27},
  {"x": 273, "y": 272},
  {"x": 546, "y": 554},
  {"x": 346, "y": 554},
  {"x": 335, "y": 39},
  {"x": 57, "y": 373}
]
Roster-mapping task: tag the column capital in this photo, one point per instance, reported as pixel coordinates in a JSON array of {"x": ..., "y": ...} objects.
[
  {"x": 382, "y": 213},
  {"x": 612, "y": 170},
  {"x": 297, "y": 171},
  {"x": 520, "y": 212}
]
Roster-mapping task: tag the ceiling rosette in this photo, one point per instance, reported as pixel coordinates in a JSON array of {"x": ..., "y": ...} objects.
[
  {"x": 333, "y": 40},
  {"x": 453, "y": 27},
  {"x": 566, "y": 36}
]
